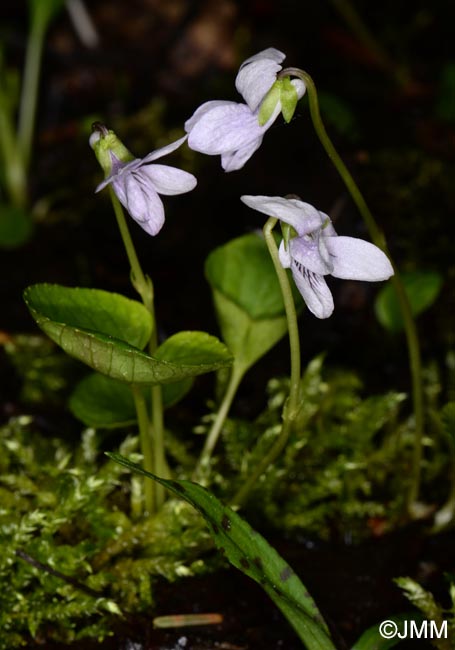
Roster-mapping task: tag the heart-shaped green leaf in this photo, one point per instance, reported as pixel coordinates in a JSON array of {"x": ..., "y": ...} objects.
[
  {"x": 247, "y": 298},
  {"x": 99, "y": 401},
  {"x": 249, "y": 552},
  {"x": 422, "y": 287},
  {"x": 107, "y": 331}
]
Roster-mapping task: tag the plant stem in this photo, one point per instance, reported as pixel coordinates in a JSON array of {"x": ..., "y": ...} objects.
[
  {"x": 15, "y": 177},
  {"x": 291, "y": 406},
  {"x": 291, "y": 316},
  {"x": 146, "y": 440},
  {"x": 214, "y": 433},
  {"x": 29, "y": 95},
  {"x": 144, "y": 287},
  {"x": 378, "y": 238},
  {"x": 160, "y": 465},
  {"x": 141, "y": 283}
]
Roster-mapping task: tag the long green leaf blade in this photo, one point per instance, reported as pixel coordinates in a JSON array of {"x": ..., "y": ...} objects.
[{"x": 249, "y": 552}]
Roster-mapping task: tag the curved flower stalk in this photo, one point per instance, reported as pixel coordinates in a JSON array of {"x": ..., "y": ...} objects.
[
  {"x": 236, "y": 130},
  {"x": 316, "y": 251},
  {"x": 138, "y": 183}
]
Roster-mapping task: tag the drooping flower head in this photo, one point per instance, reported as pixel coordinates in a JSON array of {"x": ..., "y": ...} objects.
[
  {"x": 235, "y": 130},
  {"x": 316, "y": 251},
  {"x": 136, "y": 182}
]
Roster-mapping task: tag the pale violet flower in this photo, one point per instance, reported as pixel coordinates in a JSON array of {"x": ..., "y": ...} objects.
[
  {"x": 317, "y": 250},
  {"x": 136, "y": 181},
  {"x": 232, "y": 129}
]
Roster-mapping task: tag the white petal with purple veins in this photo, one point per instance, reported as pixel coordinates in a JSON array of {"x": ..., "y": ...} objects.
[
  {"x": 169, "y": 180},
  {"x": 314, "y": 291},
  {"x": 202, "y": 110},
  {"x": 224, "y": 129},
  {"x": 307, "y": 253},
  {"x": 233, "y": 160},
  {"x": 356, "y": 259},
  {"x": 143, "y": 203},
  {"x": 164, "y": 151},
  {"x": 257, "y": 75},
  {"x": 303, "y": 217}
]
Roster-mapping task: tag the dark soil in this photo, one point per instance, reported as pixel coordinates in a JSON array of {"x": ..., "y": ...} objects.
[{"x": 352, "y": 585}]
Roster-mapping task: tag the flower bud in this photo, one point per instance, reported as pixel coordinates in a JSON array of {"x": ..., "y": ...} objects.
[{"x": 108, "y": 149}]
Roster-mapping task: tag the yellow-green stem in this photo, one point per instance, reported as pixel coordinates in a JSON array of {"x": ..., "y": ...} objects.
[
  {"x": 29, "y": 97},
  {"x": 145, "y": 436},
  {"x": 378, "y": 238},
  {"x": 215, "y": 430},
  {"x": 292, "y": 403},
  {"x": 141, "y": 283},
  {"x": 144, "y": 287}
]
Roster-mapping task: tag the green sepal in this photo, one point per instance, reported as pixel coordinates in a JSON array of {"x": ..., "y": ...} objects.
[
  {"x": 269, "y": 103},
  {"x": 288, "y": 98},
  {"x": 107, "y": 145}
]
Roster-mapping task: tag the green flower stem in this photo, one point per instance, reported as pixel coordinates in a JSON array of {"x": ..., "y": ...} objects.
[
  {"x": 144, "y": 286},
  {"x": 141, "y": 283},
  {"x": 214, "y": 433},
  {"x": 378, "y": 238},
  {"x": 161, "y": 468},
  {"x": 291, "y": 317},
  {"x": 145, "y": 436},
  {"x": 291, "y": 406}
]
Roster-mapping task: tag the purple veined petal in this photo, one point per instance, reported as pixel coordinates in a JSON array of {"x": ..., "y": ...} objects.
[
  {"x": 233, "y": 160},
  {"x": 168, "y": 180},
  {"x": 303, "y": 217},
  {"x": 306, "y": 252},
  {"x": 225, "y": 129},
  {"x": 285, "y": 256},
  {"x": 143, "y": 203},
  {"x": 314, "y": 291},
  {"x": 327, "y": 229},
  {"x": 122, "y": 168},
  {"x": 104, "y": 183},
  {"x": 268, "y": 53},
  {"x": 356, "y": 259},
  {"x": 118, "y": 185},
  {"x": 164, "y": 151},
  {"x": 202, "y": 110},
  {"x": 257, "y": 75}
]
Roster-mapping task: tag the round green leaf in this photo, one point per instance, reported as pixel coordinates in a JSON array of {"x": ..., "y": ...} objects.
[
  {"x": 247, "y": 298},
  {"x": 243, "y": 272},
  {"x": 95, "y": 310},
  {"x": 99, "y": 401},
  {"x": 422, "y": 288},
  {"x": 106, "y": 331}
]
